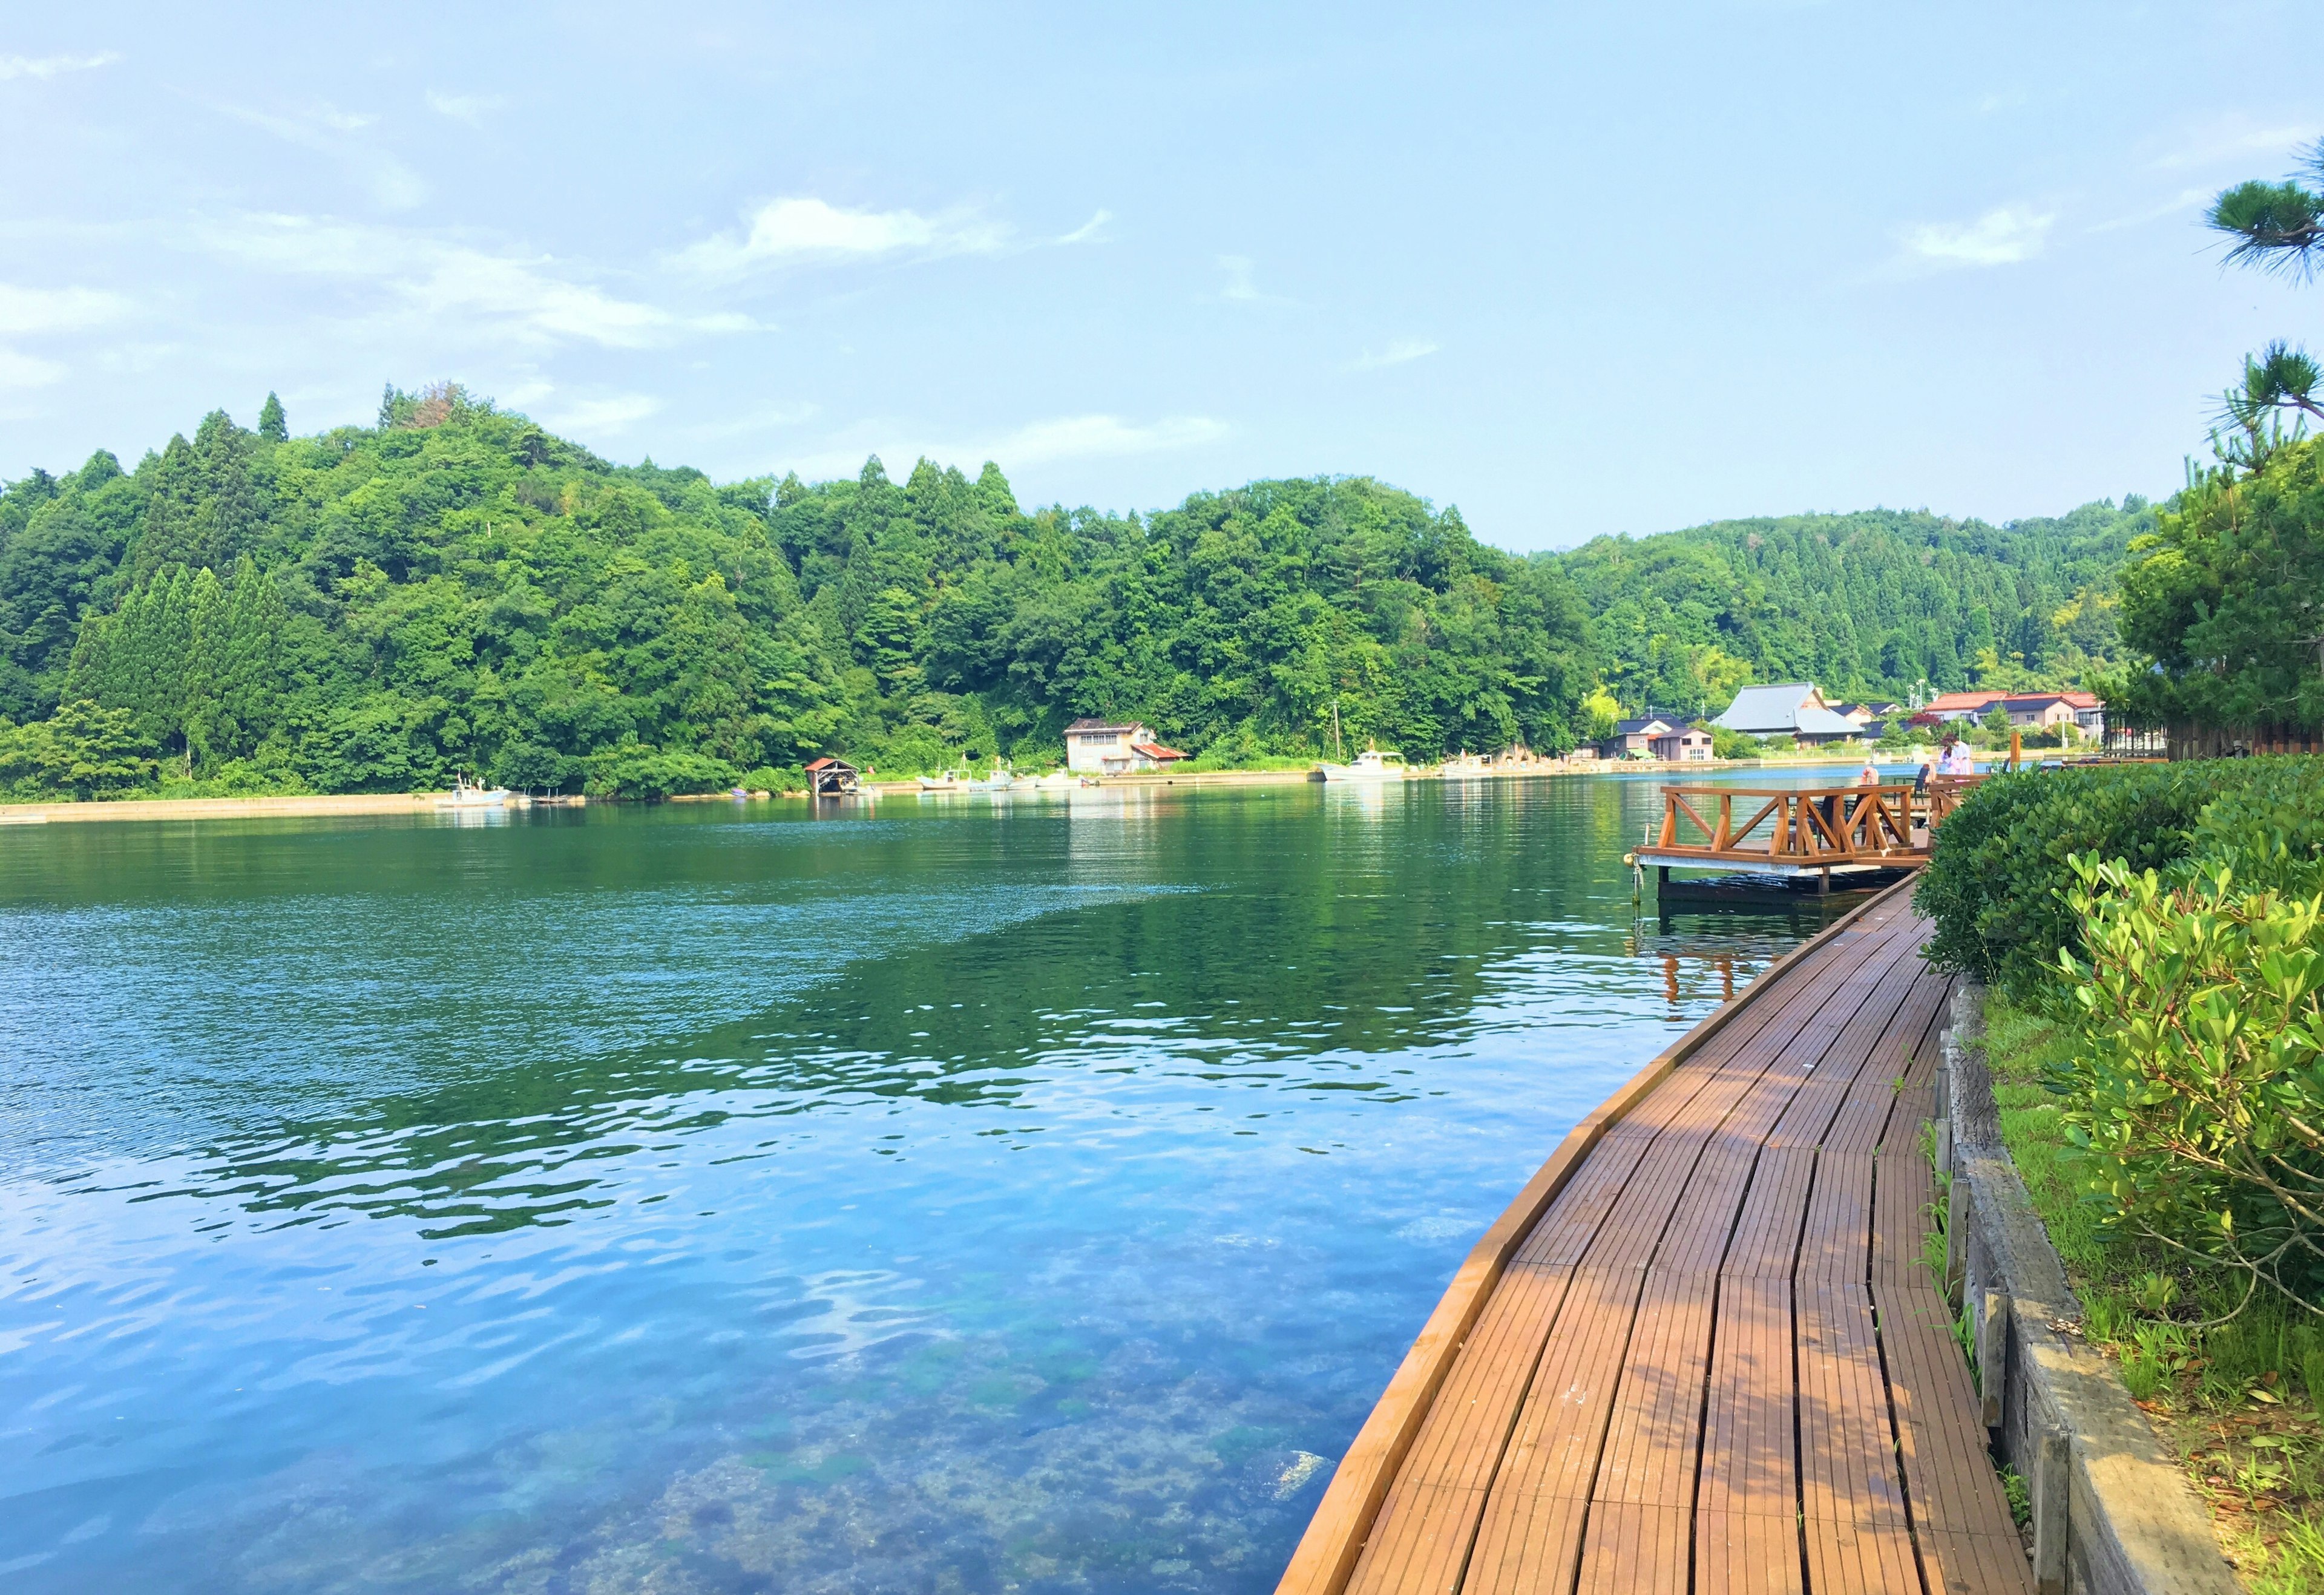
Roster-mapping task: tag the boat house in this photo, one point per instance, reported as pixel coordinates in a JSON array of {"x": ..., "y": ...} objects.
[
  {"x": 831, "y": 777},
  {"x": 1103, "y": 747},
  {"x": 1795, "y": 709}
]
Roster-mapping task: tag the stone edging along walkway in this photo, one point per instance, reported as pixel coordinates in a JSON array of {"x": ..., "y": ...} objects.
[{"x": 2113, "y": 1514}]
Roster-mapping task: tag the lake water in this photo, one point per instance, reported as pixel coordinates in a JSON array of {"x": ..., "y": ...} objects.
[{"x": 1014, "y": 1195}]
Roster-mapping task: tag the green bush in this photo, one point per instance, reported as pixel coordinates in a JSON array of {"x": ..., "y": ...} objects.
[
  {"x": 636, "y": 771},
  {"x": 1995, "y": 885},
  {"x": 2195, "y": 1099},
  {"x": 2269, "y": 825}
]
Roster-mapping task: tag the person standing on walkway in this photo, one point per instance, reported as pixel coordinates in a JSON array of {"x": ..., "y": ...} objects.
[{"x": 1958, "y": 760}]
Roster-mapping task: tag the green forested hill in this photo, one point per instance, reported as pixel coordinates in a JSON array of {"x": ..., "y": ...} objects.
[
  {"x": 456, "y": 589},
  {"x": 376, "y": 608},
  {"x": 1875, "y": 601}
]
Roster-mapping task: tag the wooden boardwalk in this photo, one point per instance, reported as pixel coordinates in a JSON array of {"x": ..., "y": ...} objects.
[{"x": 1701, "y": 1352}]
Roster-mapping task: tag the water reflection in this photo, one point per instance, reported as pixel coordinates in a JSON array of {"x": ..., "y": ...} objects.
[{"x": 945, "y": 1194}]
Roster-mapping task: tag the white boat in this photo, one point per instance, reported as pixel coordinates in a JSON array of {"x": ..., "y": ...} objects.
[
  {"x": 1370, "y": 765},
  {"x": 1467, "y": 767},
  {"x": 464, "y": 796},
  {"x": 949, "y": 782},
  {"x": 1058, "y": 780}
]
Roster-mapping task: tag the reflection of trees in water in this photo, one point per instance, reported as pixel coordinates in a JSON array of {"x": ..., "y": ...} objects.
[{"x": 1298, "y": 953}]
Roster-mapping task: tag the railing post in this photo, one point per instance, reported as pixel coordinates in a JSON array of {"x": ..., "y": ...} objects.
[
  {"x": 1670, "y": 819},
  {"x": 1726, "y": 821}
]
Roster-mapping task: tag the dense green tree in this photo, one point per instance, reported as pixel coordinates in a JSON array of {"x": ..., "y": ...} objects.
[
  {"x": 456, "y": 590},
  {"x": 2225, "y": 602},
  {"x": 82, "y": 751},
  {"x": 1879, "y": 602},
  {"x": 271, "y": 425}
]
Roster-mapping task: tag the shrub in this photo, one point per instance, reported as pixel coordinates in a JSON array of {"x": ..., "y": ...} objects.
[
  {"x": 2269, "y": 825},
  {"x": 1995, "y": 883},
  {"x": 2195, "y": 1100},
  {"x": 637, "y": 771}
]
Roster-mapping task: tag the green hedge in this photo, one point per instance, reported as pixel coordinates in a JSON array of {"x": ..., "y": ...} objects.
[{"x": 1996, "y": 883}]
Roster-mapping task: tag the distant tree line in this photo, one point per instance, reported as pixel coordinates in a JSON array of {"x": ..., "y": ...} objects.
[{"x": 456, "y": 590}]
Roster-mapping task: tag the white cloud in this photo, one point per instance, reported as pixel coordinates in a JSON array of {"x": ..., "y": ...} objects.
[
  {"x": 1043, "y": 442},
  {"x": 616, "y": 413},
  {"x": 768, "y": 419},
  {"x": 470, "y": 108},
  {"x": 26, "y": 370},
  {"x": 1099, "y": 437},
  {"x": 50, "y": 65},
  {"x": 1239, "y": 283},
  {"x": 796, "y": 230},
  {"x": 56, "y": 309},
  {"x": 327, "y": 130},
  {"x": 457, "y": 286},
  {"x": 2171, "y": 206},
  {"x": 2234, "y": 139},
  {"x": 1092, "y": 231},
  {"x": 1402, "y": 350},
  {"x": 1999, "y": 237}
]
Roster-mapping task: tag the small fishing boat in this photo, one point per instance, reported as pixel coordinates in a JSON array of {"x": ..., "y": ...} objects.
[
  {"x": 464, "y": 796},
  {"x": 1057, "y": 781},
  {"x": 1370, "y": 765},
  {"x": 1466, "y": 766},
  {"x": 951, "y": 780}
]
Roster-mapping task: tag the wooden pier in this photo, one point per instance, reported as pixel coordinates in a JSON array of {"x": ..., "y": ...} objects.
[
  {"x": 1821, "y": 832},
  {"x": 1701, "y": 1351}
]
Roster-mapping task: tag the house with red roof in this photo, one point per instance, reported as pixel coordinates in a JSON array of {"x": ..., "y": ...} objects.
[{"x": 1106, "y": 747}]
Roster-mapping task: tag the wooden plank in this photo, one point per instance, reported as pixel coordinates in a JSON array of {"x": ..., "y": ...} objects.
[
  {"x": 1327, "y": 1553},
  {"x": 1614, "y": 1206},
  {"x": 1698, "y": 1280}
]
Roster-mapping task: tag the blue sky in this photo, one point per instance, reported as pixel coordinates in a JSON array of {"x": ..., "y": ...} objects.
[{"x": 1576, "y": 270}]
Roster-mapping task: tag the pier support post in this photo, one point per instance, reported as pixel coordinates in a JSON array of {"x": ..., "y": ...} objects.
[
  {"x": 2052, "y": 1489},
  {"x": 1993, "y": 1354},
  {"x": 1956, "y": 1241}
]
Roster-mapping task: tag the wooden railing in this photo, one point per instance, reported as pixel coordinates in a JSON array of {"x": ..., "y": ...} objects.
[
  {"x": 1818, "y": 826},
  {"x": 1946, "y": 791}
]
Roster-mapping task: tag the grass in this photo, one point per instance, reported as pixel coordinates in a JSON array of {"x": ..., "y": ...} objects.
[{"x": 2241, "y": 1402}]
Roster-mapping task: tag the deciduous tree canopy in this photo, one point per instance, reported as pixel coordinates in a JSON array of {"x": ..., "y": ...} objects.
[{"x": 454, "y": 589}]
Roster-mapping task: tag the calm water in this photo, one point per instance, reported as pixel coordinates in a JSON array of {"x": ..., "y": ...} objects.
[{"x": 1020, "y": 1194}]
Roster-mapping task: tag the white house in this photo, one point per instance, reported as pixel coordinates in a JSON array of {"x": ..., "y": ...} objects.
[{"x": 1100, "y": 747}]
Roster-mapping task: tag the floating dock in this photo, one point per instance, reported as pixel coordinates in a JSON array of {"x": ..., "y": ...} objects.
[{"x": 1701, "y": 1351}]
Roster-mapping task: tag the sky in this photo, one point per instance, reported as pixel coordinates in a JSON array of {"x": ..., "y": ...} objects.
[{"x": 1576, "y": 270}]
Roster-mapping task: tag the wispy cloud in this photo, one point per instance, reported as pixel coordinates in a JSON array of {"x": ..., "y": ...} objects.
[
  {"x": 1403, "y": 351},
  {"x": 470, "y": 108},
  {"x": 525, "y": 298},
  {"x": 327, "y": 130},
  {"x": 2234, "y": 139},
  {"x": 1101, "y": 436},
  {"x": 1092, "y": 231},
  {"x": 769, "y": 418},
  {"x": 1239, "y": 286},
  {"x": 26, "y": 370},
  {"x": 2154, "y": 213},
  {"x": 52, "y": 66},
  {"x": 795, "y": 231},
  {"x": 2000, "y": 237},
  {"x": 36, "y": 310},
  {"x": 1036, "y": 443},
  {"x": 614, "y": 413}
]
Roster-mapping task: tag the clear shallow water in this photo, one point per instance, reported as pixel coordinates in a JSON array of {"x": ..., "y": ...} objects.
[{"x": 1025, "y": 1195}]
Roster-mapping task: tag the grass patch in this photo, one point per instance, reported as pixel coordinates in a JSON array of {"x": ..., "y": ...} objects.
[{"x": 2241, "y": 1402}]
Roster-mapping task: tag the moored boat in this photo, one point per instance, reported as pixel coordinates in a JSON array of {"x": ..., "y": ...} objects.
[
  {"x": 464, "y": 796},
  {"x": 1370, "y": 765}
]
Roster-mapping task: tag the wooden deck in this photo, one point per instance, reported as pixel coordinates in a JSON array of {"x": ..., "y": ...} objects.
[{"x": 1699, "y": 1353}]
